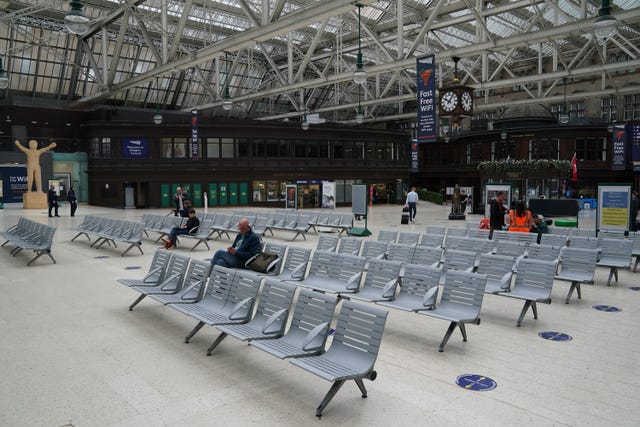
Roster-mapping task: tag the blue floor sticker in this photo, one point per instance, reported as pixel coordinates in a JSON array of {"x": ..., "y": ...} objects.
[
  {"x": 608, "y": 308},
  {"x": 476, "y": 382},
  {"x": 331, "y": 332},
  {"x": 133, "y": 267},
  {"x": 555, "y": 336},
  {"x": 635, "y": 288},
  {"x": 101, "y": 256}
]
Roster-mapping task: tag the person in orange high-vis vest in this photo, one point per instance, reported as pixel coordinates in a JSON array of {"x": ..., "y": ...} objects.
[{"x": 520, "y": 218}]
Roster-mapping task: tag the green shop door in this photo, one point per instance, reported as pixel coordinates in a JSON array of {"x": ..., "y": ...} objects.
[
  {"x": 213, "y": 194},
  {"x": 233, "y": 196},
  {"x": 223, "y": 196},
  {"x": 244, "y": 193},
  {"x": 165, "y": 196},
  {"x": 196, "y": 198}
]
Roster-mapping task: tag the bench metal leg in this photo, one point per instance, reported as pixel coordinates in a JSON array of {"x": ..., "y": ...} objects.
[
  {"x": 137, "y": 245},
  {"x": 361, "y": 386},
  {"x": 81, "y": 233},
  {"x": 635, "y": 266},
  {"x": 447, "y": 335},
  {"x": 526, "y": 306},
  {"x": 15, "y": 250},
  {"x": 335, "y": 387},
  {"x": 217, "y": 342},
  {"x": 140, "y": 298},
  {"x": 39, "y": 254},
  {"x": 201, "y": 241},
  {"x": 193, "y": 332},
  {"x": 463, "y": 331},
  {"x": 5, "y": 243},
  {"x": 574, "y": 285}
]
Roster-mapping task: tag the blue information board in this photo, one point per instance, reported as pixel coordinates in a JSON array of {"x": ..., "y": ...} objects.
[{"x": 135, "y": 148}]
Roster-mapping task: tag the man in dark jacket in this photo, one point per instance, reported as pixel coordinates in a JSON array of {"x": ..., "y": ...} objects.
[
  {"x": 246, "y": 245},
  {"x": 496, "y": 216},
  {"x": 191, "y": 227},
  {"x": 52, "y": 198}
]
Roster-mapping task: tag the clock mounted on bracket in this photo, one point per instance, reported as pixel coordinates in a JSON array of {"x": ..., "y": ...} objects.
[{"x": 457, "y": 99}]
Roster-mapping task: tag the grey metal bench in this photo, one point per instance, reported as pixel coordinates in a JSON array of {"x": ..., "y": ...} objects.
[
  {"x": 374, "y": 249},
  {"x": 381, "y": 281},
  {"x": 171, "y": 283},
  {"x": 327, "y": 242},
  {"x": 202, "y": 234},
  {"x": 30, "y": 235},
  {"x": 577, "y": 266},
  {"x": 389, "y": 236},
  {"x": 553, "y": 239},
  {"x": 456, "y": 232},
  {"x": 436, "y": 229},
  {"x": 193, "y": 287},
  {"x": 432, "y": 240},
  {"x": 307, "y": 334},
  {"x": 408, "y": 238},
  {"x": 533, "y": 284},
  {"x": 635, "y": 238},
  {"x": 426, "y": 255},
  {"x": 353, "y": 351},
  {"x": 499, "y": 272},
  {"x": 615, "y": 254},
  {"x": 349, "y": 245},
  {"x": 334, "y": 273},
  {"x": 270, "y": 319},
  {"x": 461, "y": 300},
  {"x": 296, "y": 263},
  {"x": 418, "y": 289},
  {"x": 229, "y": 299},
  {"x": 399, "y": 252},
  {"x": 110, "y": 231},
  {"x": 156, "y": 273}
]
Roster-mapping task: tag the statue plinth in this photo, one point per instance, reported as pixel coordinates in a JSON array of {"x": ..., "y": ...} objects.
[{"x": 34, "y": 200}]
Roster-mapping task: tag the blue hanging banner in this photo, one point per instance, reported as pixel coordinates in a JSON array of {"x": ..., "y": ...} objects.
[
  {"x": 195, "y": 147},
  {"x": 414, "y": 156},
  {"x": 619, "y": 148},
  {"x": 633, "y": 135},
  {"x": 426, "y": 99}
]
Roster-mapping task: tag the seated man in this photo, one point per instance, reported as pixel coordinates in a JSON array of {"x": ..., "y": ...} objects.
[
  {"x": 191, "y": 227},
  {"x": 539, "y": 225},
  {"x": 246, "y": 245}
]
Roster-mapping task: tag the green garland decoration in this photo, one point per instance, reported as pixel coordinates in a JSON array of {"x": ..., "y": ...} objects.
[{"x": 540, "y": 167}]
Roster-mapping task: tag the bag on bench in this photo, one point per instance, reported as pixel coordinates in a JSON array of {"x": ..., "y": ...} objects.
[{"x": 264, "y": 262}]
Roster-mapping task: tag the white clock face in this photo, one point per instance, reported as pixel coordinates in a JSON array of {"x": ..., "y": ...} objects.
[
  {"x": 466, "y": 100},
  {"x": 449, "y": 101}
]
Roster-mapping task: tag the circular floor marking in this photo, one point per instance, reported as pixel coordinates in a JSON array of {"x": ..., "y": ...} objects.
[
  {"x": 609, "y": 308},
  {"x": 101, "y": 256},
  {"x": 133, "y": 267},
  {"x": 476, "y": 382},
  {"x": 555, "y": 336},
  {"x": 635, "y": 288}
]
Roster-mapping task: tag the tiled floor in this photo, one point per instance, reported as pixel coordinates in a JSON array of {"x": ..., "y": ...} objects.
[{"x": 72, "y": 354}]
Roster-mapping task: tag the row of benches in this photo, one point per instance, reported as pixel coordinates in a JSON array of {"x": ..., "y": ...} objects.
[
  {"x": 110, "y": 231},
  {"x": 30, "y": 235},
  {"x": 227, "y": 299}
]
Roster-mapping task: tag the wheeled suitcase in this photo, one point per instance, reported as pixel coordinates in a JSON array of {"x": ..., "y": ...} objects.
[{"x": 405, "y": 219}]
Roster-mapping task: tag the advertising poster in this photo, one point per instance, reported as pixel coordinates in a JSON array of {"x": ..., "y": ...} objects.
[
  {"x": 490, "y": 193},
  {"x": 426, "y": 98},
  {"x": 1, "y": 196},
  {"x": 291, "y": 202},
  {"x": 14, "y": 183},
  {"x": 614, "y": 203},
  {"x": 328, "y": 195},
  {"x": 414, "y": 167},
  {"x": 135, "y": 148},
  {"x": 619, "y": 148}
]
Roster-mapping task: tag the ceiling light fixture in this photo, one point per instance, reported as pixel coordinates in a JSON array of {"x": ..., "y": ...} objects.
[
  {"x": 605, "y": 25},
  {"x": 360, "y": 74},
  {"x": 75, "y": 20}
]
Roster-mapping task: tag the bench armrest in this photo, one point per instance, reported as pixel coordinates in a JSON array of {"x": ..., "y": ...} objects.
[
  {"x": 239, "y": 310},
  {"x": 389, "y": 290},
  {"x": 151, "y": 273},
  {"x": 430, "y": 298},
  {"x": 315, "y": 338},
  {"x": 189, "y": 289},
  {"x": 354, "y": 281},
  {"x": 168, "y": 279},
  {"x": 298, "y": 272},
  {"x": 505, "y": 281},
  {"x": 276, "y": 322}
]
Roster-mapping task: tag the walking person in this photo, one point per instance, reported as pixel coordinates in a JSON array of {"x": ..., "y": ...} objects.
[
  {"x": 52, "y": 199},
  {"x": 496, "y": 213},
  {"x": 412, "y": 201},
  {"x": 73, "y": 203}
]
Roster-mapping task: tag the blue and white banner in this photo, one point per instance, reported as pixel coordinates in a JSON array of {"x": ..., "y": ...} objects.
[
  {"x": 135, "y": 148},
  {"x": 426, "y": 99},
  {"x": 633, "y": 133},
  {"x": 195, "y": 146},
  {"x": 414, "y": 156},
  {"x": 619, "y": 148},
  {"x": 14, "y": 183}
]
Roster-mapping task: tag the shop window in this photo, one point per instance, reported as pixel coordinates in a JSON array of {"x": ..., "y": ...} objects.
[
  {"x": 180, "y": 148},
  {"x": 544, "y": 149},
  {"x": 474, "y": 153},
  {"x": 166, "y": 147},
  {"x": 226, "y": 148},
  {"x": 609, "y": 109},
  {"x": 213, "y": 148},
  {"x": 268, "y": 191},
  {"x": 591, "y": 149},
  {"x": 502, "y": 150}
]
